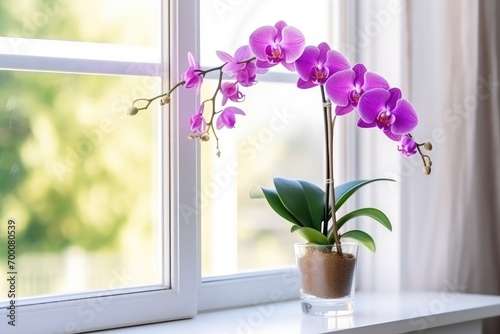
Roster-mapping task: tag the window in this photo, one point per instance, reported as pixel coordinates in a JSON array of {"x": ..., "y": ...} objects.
[
  {"x": 133, "y": 184},
  {"x": 94, "y": 195}
]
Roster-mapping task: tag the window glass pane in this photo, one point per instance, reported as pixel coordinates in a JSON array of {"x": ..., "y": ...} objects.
[
  {"x": 281, "y": 135},
  {"x": 132, "y": 22},
  {"x": 79, "y": 178}
]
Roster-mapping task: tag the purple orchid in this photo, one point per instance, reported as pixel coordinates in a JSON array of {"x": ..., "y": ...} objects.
[
  {"x": 239, "y": 66},
  {"x": 230, "y": 91},
  {"x": 228, "y": 117},
  {"x": 192, "y": 75},
  {"x": 277, "y": 44},
  {"x": 346, "y": 87},
  {"x": 197, "y": 121},
  {"x": 317, "y": 64},
  {"x": 387, "y": 110},
  {"x": 407, "y": 146}
]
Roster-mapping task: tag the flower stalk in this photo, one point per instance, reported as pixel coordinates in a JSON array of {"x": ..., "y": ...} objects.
[{"x": 330, "y": 181}]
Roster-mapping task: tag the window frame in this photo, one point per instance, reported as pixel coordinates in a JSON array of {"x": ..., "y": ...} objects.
[{"x": 122, "y": 307}]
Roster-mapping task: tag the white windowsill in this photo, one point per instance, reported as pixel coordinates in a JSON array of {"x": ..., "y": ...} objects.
[{"x": 436, "y": 312}]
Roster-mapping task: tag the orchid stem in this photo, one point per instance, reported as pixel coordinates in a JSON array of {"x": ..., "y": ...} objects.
[
  {"x": 330, "y": 184},
  {"x": 324, "y": 226},
  {"x": 331, "y": 123}
]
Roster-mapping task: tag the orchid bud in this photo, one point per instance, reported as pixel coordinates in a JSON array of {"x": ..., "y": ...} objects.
[
  {"x": 191, "y": 137},
  {"x": 427, "y": 170},
  {"x": 165, "y": 100},
  {"x": 205, "y": 137},
  {"x": 132, "y": 111},
  {"x": 428, "y": 146}
]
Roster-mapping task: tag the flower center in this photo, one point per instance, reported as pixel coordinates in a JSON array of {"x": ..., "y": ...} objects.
[
  {"x": 385, "y": 119},
  {"x": 319, "y": 75},
  {"x": 275, "y": 54},
  {"x": 354, "y": 96}
]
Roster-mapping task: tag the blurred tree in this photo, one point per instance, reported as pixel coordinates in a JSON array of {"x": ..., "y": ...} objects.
[{"x": 71, "y": 168}]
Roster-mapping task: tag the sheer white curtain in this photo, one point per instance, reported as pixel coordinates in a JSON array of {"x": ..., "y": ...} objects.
[{"x": 451, "y": 231}]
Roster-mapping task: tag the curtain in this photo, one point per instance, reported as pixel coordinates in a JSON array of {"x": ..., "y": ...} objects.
[{"x": 451, "y": 231}]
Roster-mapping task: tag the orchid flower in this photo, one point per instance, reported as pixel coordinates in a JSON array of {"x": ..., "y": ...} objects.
[
  {"x": 230, "y": 91},
  {"x": 317, "y": 64},
  {"x": 240, "y": 66},
  {"x": 197, "y": 121},
  {"x": 192, "y": 75},
  {"x": 387, "y": 110},
  {"x": 227, "y": 118},
  {"x": 277, "y": 44},
  {"x": 346, "y": 87},
  {"x": 407, "y": 146}
]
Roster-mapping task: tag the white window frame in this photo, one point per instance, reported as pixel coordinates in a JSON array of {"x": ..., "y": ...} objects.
[{"x": 132, "y": 306}]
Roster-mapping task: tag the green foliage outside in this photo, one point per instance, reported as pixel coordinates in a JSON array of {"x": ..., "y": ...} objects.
[{"x": 74, "y": 171}]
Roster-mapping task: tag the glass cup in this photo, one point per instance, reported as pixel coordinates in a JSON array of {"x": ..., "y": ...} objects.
[{"x": 327, "y": 278}]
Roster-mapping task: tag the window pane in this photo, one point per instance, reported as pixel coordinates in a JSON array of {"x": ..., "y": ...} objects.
[
  {"x": 277, "y": 137},
  {"x": 131, "y": 22},
  {"x": 79, "y": 178},
  {"x": 281, "y": 135}
]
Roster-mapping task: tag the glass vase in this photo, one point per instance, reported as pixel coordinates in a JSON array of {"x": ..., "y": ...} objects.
[{"x": 327, "y": 278}]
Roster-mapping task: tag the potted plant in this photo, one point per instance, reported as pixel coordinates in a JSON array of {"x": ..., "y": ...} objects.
[{"x": 326, "y": 263}]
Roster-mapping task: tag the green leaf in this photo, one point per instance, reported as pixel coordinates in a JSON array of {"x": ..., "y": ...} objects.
[
  {"x": 315, "y": 197},
  {"x": 311, "y": 235},
  {"x": 376, "y": 214},
  {"x": 362, "y": 237},
  {"x": 294, "y": 199},
  {"x": 346, "y": 190},
  {"x": 275, "y": 203},
  {"x": 256, "y": 193}
]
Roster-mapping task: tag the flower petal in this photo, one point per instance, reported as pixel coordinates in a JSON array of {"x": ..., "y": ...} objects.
[
  {"x": 360, "y": 71},
  {"x": 235, "y": 110},
  {"x": 306, "y": 61},
  {"x": 373, "y": 80},
  {"x": 260, "y": 39},
  {"x": 233, "y": 67},
  {"x": 289, "y": 66},
  {"x": 395, "y": 96},
  {"x": 242, "y": 53},
  {"x": 197, "y": 122},
  {"x": 372, "y": 103},
  {"x": 323, "y": 52},
  {"x": 279, "y": 26},
  {"x": 339, "y": 85},
  {"x": 302, "y": 84},
  {"x": 363, "y": 124},
  {"x": 392, "y": 136},
  {"x": 406, "y": 117},
  {"x": 336, "y": 62},
  {"x": 264, "y": 64},
  {"x": 224, "y": 56},
  {"x": 227, "y": 118},
  {"x": 342, "y": 110},
  {"x": 293, "y": 42},
  {"x": 192, "y": 61}
]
